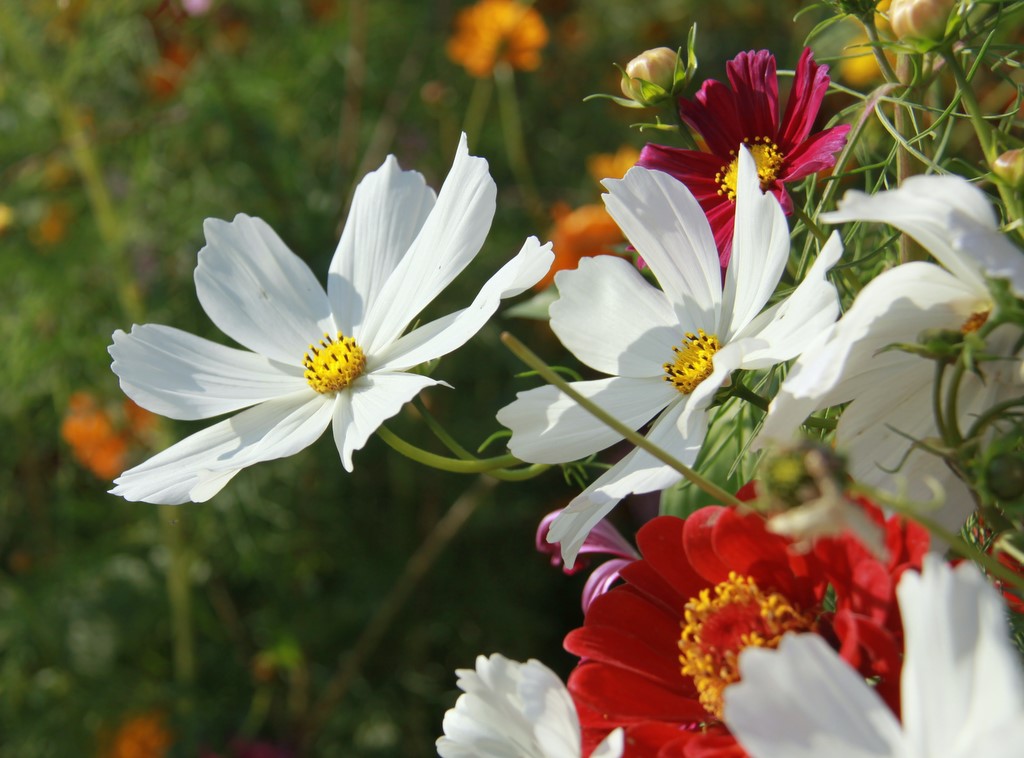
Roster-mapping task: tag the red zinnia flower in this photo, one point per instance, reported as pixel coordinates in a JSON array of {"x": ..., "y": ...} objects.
[
  {"x": 749, "y": 114},
  {"x": 658, "y": 651}
]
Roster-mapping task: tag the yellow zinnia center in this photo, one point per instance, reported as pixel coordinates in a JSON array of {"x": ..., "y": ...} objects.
[
  {"x": 767, "y": 157},
  {"x": 720, "y": 622},
  {"x": 692, "y": 364},
  {"x": 335, "y": 364}
]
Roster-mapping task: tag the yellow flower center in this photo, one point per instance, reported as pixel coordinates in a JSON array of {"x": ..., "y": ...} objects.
[
  {"x": 692, "y": 364},
  {"x": 718, "y": 624},
  {"x": 335, "y": 364},
  {"x": 974, "y": 322},
  {"x": 767, "y": 157}
]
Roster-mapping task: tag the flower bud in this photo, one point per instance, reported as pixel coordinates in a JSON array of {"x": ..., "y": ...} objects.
[
  {"x": 653, "y": 76},
  {"x": 920, "y": 19},
  {"x": 1009, "y": 166}
]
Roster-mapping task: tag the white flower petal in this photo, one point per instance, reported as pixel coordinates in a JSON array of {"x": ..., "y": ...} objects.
[
  {"x": 179, "y": 375},
  {"x": 258, "y": 292},
  {"x": 760, "y": 248},
  {"x": 668, "y": 228},
  {"x": 389, "y": 208},
  {"x": 450, "y": 238},
  {"x": 801, "y": 318},
  {"x": 894, "y": 307},
  {"x": 200, "y": 465},
  {"x": 803, "y": 701},
  {"x": 951, "y": 218},
  {"x": 449, "y": 333},
  {"x": 609, "y": 317},
  {"x": 549, "y": 427},
  {"x": 680, "y": 432},
  {"x": 962, "y": 690},
  {"x": 961, "y": 675},
  {"x": 513, "y": 710},
  {"x": 368, "y": 403}
]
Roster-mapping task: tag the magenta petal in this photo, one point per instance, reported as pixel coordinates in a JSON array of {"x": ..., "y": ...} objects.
[
  {"x": 602, "y": 579},
  {"x": 809, "y": 87},
  {"x": 816, "y": 154},
  {"x": 713, "y": 114},
  {"x": 753, "y": 78},
  {"x": 693, "y": 168},
  {"x": 604, "y": 539}
]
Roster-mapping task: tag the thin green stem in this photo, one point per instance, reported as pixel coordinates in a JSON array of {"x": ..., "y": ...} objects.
[
  {"x": 940, "y": 419},
  {"x": 951, "y": 415},
  {"x": 444, "y": 463},
  {"x": 956, "y": 543},
  {"x": 819, "y": 234},
  {"x": 178, "y": 594},
  {"x": 972, "y": 106},
  {"x": 441, "y": 433},
  {"x": 883, "y": 63},
  {"x": 738, "y": 389},
  {"x": 531, "y": 359},
  {"x": 476, "y": 111},
  {"x": 515, "y": 144}
]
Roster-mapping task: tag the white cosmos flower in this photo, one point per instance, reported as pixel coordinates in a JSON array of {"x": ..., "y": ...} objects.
[
  {"x": 516, "y": 710},
  {"x": 892, "y": 390},
  {"x": 667, "y": 350},
  {"x": 961, "y": 692},
  {"x": 317, "y": 358}
]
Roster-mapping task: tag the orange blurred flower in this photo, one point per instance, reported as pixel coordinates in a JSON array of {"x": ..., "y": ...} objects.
[
  {"x": 93, "y": 438},
  {"x": 612, "y": 165},
  {"x": 580, "y": 233},
  {"x": 53, "y": 226},
  {"x": 497, "y": 30},
  {"x": 143, "y": 736},
  {"x": 165, "y": 77}
]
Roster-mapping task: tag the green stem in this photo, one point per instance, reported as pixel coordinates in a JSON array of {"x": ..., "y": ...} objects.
[
  {"x": 940, "y": 419},
  {"x": 441, "y": 433},
  {"x": 951, "y": 416},
  {"x": 515, "y": 145},
  {"x": 883, "y": 63},
  {"x": 476, "y": 111},
  {"x": 178, "y": 594},
  {"x": 986, "y": 135},
  {"x": 819, "y": 234},
  {"x": 956, "y": 543},
  {"x": 444, "y": 463},
  {"x": 745, "y": 393},
  {"x": 531, "y": 359}
]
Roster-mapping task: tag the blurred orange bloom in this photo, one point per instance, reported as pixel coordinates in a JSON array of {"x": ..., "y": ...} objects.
[
  {"x": 94, "y": 440},
  {"x": 53, "y": 226},
  {"x": 580, "y": 233},
  {"x": 612, "y": 165},
  {"x": 497, "y": 30},
  {"x": 144, "y": 736}
]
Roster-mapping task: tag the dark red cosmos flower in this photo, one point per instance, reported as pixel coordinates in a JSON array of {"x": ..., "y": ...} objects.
[
  {"x": 749, "y": 114},
  {"x": 658, "y": 651}
]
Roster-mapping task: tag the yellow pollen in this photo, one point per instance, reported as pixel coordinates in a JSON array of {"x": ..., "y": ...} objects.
[
  {"x": 335, "y": 364},
  {"x": 692, "y": 364},
  {"x": 767, "y": 157},
  {"x": 974, "y": 322},
  {"x": 716, "y": 629}
]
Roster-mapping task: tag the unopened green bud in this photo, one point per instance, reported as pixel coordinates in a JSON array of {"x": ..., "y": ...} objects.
[
  {"x": 1005, "y": 476},
  {"x": 798, "y": 474},
  {"x": 654, "y": 76},
  {"x": 920, "y": 19},
  {"x": 1009, "y": 167}
]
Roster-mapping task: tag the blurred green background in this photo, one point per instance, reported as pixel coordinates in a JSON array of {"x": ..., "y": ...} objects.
[{"x": 257, "y": 617}]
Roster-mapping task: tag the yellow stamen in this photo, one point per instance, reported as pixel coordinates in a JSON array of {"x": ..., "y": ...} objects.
[
  {"x": 974, "y": 322},
  {"x": 767, "y": 157},
  {"x": 335, "y": 364},
  {"x": 692, "y": 364},
  {"x": 715, "y": 630}
]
